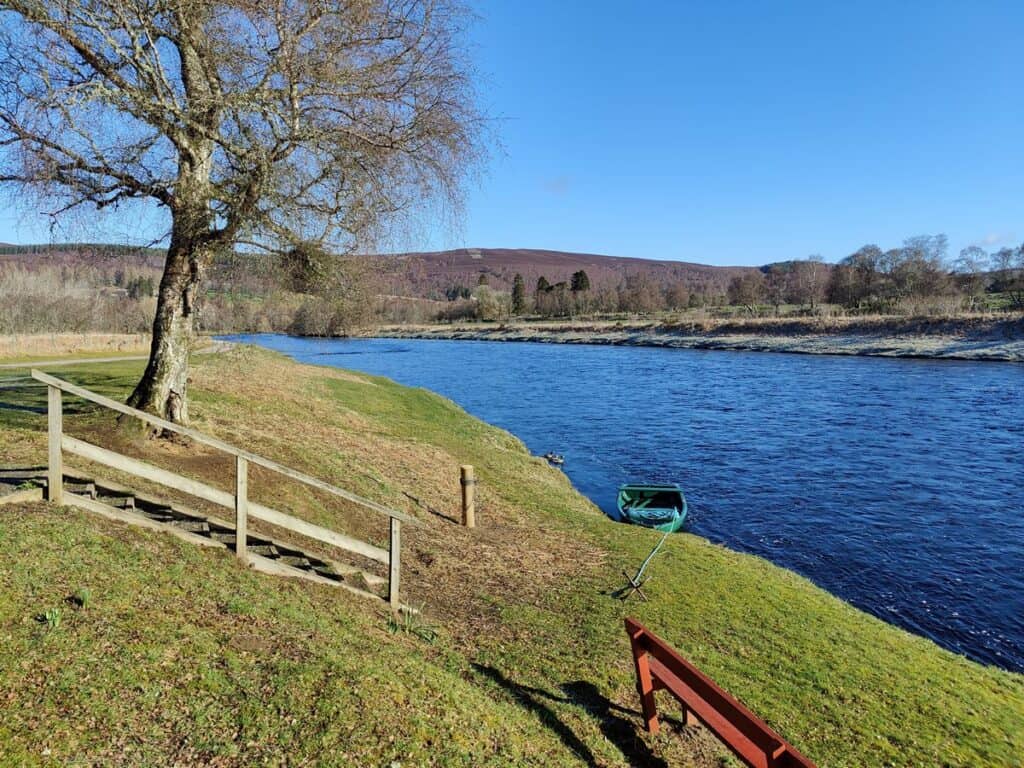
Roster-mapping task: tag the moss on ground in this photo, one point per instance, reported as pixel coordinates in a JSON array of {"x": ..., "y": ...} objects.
[{"x": 182, "y": 657}]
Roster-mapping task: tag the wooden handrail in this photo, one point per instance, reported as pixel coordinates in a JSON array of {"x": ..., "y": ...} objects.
[
  {"x": 659, "y": 666},
  {"x": 58, "y": 442},
  {"x": 220, "y": 445},
  {"x": 216, "y": 496}
]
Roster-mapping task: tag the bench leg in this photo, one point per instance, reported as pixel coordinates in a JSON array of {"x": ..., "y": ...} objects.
[
  {"x": 645, "y": 686},
  {"x": 689, "y": 718}
]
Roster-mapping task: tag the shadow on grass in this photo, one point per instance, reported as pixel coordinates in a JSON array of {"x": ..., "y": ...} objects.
[
  {"x": 423, "y": 505},
  {"x": 24, "y": 408},
  {"x": 611, "y": 717},
  {"x": 23, "y": 400}
]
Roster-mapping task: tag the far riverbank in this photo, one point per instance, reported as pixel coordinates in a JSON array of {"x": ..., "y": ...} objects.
[{"x": 975, "y": 338}]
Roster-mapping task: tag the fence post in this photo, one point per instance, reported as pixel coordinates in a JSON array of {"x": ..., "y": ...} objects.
[
  {"x": 468, "y": 481},
  {"x": 55, "y": 429},
  {"x": 395, "y": 564},
  {"x": 241, "y": 507}
]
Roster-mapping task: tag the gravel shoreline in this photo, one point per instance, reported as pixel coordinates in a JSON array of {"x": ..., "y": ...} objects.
[{"x": 987, "y": 346}]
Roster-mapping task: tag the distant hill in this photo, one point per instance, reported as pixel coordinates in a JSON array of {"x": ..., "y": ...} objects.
[
  {"x": 427, "y": 275},
  {"x": 82, "y": 253},
  {"x": 430, "y": 274}
]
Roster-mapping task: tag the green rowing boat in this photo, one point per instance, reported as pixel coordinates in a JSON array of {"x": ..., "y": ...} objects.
[{"x": 662, "y": 507}]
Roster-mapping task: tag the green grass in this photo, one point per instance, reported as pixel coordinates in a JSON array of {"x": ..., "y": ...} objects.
[
  {"x": 180, "y": 656},
  {"x": 521, "y": 657},
  {"x": 999, "y": 302}
]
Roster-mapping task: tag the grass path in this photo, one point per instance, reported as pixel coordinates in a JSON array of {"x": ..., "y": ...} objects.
[
  {"x": 99, "y": 358},
  {"x": 62, "y": 362}
]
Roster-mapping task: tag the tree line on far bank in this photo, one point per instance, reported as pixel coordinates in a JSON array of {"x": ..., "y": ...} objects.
[
  {"x": 917, "y": 277},
  {"x": 312, "y": 292},
  {"x": 638, "y": 293}
]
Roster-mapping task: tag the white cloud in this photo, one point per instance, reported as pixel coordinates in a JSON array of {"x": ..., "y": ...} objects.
[
  {"x": 557, "y": 185},
  {"x": 995, "y": 238}
]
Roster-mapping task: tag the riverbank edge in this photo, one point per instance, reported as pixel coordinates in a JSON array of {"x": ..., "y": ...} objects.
[{"x": 932, "y": 346}]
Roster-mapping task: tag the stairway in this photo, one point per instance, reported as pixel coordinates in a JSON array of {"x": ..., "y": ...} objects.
[{"x": 117, "y": 502}]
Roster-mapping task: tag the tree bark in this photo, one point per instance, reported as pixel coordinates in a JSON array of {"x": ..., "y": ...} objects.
[{"x": 163, "y": 389}]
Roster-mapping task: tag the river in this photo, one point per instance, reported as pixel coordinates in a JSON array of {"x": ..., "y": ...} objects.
[{"x": 897, "y": 485}]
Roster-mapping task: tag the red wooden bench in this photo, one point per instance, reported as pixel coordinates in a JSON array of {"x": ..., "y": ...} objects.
[{"x": 659, "y": 666}]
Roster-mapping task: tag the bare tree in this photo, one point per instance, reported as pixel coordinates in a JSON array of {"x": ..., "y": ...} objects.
[
  {"x": 970, "y": 269},
  {"x": 264, "y": 122},
  {"x": 1008, "y": 264},
  {"x": 917, "y": 270},
  {"x": 866, "y": 265},
  {"x": 639, "y": 293},
  {"x": 777, "y": 279},
  {"x": 747, "y": 290},
  {"x": 678, "y": 295},
  {"x": 808, "y": 281}
]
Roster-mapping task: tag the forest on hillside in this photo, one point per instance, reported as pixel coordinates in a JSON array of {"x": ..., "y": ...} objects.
[{"x": 97, "y": 287}]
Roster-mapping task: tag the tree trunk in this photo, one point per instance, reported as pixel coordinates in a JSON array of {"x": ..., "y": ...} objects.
[{"x": 163, "y": 388}]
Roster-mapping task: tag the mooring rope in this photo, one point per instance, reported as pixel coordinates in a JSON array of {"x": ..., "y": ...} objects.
[{"x": 654, "y": 551}]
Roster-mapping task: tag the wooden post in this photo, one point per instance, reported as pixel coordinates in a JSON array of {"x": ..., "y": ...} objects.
[
  {"x": 55, "y": 466},
  {"x": 468, "y": 482},
  {"x": 395, "y": 564},
  {"x": 241, "y": 507}
]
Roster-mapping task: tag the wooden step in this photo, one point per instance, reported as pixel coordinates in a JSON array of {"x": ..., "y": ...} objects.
[
  {"x": 133, "y": 518},
  {"x": 277, "y": 568},
  {"x": 117, "y": 502},
  {"x": 163, "y": 515},
  {"x": 297, "y": 562},
  {"x": 82, "y": 489},
  {"x": 12, "y": 494},
  {"x": 190, "y": 524},
  {"x": 121, "y": 502},
  {"x": 266, "y": 550}
]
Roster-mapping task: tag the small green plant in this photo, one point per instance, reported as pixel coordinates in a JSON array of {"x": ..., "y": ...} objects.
[
  {"x": 82, "y": 598},
  {"x": 52, "y": 618},
  {"x": 239, "y": 607},
  {"x": 412, "y": 623}
]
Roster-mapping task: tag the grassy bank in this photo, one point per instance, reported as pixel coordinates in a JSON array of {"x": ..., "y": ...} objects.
[{"x": 180, "y": 656}]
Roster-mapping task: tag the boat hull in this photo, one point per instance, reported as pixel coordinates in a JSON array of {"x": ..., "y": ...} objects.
[{"x": 661, "y": 507}]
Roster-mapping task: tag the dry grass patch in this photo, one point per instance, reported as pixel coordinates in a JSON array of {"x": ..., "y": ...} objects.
[
  {"x": 32, "y": 346},
  {"x": 509, "y": 557}
]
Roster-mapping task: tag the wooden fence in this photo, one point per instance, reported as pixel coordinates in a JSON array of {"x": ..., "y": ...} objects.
[
  {"x": 239, "y": 501},
  {"x": 659, "y": 666}
]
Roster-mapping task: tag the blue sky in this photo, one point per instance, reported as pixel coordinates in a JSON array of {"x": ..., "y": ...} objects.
[
  {"x": 747, "y": 132},
  {"x": 738, "y": 132}
]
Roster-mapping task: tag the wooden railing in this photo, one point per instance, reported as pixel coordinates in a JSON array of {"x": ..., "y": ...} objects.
[
  {"x": 659, "y": 666},
  {"x": 239, "y": 501}
]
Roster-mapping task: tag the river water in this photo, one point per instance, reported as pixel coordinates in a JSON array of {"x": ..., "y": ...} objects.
[{"x": 897, "y": 485}]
